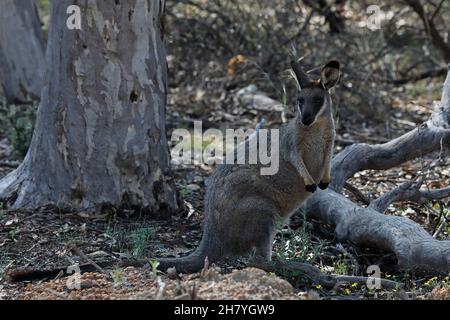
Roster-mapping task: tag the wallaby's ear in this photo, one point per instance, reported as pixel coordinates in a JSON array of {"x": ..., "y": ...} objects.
[
  {"x": 302, "y": 78},
  {"x": 329, "y": 75}
]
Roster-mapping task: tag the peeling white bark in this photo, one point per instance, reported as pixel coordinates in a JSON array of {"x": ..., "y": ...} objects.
[{"x": 100, "y": 133}]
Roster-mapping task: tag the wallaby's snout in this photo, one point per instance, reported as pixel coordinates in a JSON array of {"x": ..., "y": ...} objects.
[
  {"x": 314, "y": 99},
  {"x": 307, "y": 121},
  {"x": 307, "y": 118}
]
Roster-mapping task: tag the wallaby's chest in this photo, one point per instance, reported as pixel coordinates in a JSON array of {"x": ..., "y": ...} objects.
[{"x": 313, "y": 149}]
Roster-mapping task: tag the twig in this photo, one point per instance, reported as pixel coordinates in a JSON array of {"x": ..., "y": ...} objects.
[
  {"x": 292, "y": 38},
  {"x": 408, "y": 192},
  {"x": 58, "y": 294},
  {"x": 442, "y": 220},
  {"x": 79, "y": 253},
  {"x": 161, "y": 290},
  {"x": 417, "y": 77},
  {"x": 327, "y": 280},
  {"x": 21, "y": 275},
  {"x": 389, "y": 284},
  {"x": 357, "y": 193},
  {"x": 436, "y": 11},
  {"x": 9, "y": 164},
  {"x": 194, "y": 292}
]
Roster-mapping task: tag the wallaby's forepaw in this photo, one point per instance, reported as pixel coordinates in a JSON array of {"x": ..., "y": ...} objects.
[
  {"x": 323, "y": 185},
  {"x": 311, "y": 187}
]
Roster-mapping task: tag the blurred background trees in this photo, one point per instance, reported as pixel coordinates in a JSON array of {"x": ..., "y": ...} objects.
[
  {"x": 411, "y": 44},
  {"x": 22, "y": 51}
]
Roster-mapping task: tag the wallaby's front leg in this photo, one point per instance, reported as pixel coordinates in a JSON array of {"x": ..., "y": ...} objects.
[
  {"x": 329, "y": 147},
  {"x": 310, "y": 184}
]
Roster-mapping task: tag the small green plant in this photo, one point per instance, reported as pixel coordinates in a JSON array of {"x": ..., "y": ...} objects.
[
  {"x": 2, "y": 212},
  {"x": 12, "y": 235},
  {"x": 184, "y": 192},
  {"x": 131, "y": 239},
  {"x": 17, "y": 123},
  {"x": 340, "y": 266},
  {"x": 116, "y": 275},
  {"x": 297, "y": 246},
  {"x": 140, "y": 238},
  {"x": 4, "y": 264},
  {"x": 432, "y": 282},
  {"x": 154, "y": 264}
]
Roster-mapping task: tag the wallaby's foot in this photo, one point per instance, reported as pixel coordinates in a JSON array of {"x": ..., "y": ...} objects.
[
  {"x": 323, "y": 185},
  {"x": 311, "y": 187}
]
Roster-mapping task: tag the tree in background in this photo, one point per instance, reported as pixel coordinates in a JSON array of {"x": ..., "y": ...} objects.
[
  {"x": 22, "y": 51},
  {"x": 100, "y": 137}
]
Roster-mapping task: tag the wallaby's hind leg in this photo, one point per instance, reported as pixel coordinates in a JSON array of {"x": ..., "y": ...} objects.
[
  {"x": 250, "y": 226},
  {"x": 263, "y": 250},
  {"x": 263, "y": 238}
]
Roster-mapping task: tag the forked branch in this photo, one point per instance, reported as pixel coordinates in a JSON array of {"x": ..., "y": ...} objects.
[{"x": 408, "y": 192}]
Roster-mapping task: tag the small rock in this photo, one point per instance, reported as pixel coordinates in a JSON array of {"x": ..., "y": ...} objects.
[
  {"x": 441, "y": 293},
  {"x": 172, "y": 273},
  {"x": 97, "y": 254},
  {"x": 193, "y": 187}
]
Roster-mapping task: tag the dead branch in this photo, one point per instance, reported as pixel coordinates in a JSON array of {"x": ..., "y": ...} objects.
[
  {"x": 357, "y": 193},
  {"x": 388, "y": 284},
  {"x": 327, "y": 280},
  {"x": 430, "y": 28},
  {"x": 9, "y": 164},
  {"x": 81, "y": 254},
  {"x": 408, "y": 192},
  {"x": 414, "y": 248},
  {"x": 420, "y": 76},
  {"x": 432, "y": 135}
]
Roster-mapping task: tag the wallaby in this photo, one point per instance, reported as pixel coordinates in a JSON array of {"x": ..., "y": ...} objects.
[{"x": 242, "y": 206}]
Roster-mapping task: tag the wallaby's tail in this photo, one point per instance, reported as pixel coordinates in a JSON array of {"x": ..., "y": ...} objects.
[{"x": 195, "y": 261}]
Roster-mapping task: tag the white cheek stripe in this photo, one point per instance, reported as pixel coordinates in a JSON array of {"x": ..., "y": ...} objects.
[{"x": 321, "y": 111}]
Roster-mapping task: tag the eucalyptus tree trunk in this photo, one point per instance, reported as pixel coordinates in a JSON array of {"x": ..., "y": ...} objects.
[
  {"x": 100, "y": 134},
  {"x": 22, "y": 51}
]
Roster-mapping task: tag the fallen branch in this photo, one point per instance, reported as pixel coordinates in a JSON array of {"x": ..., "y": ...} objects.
[
  {"x": 81, "y": 254},
  {"x": 29, "y": 274},
  {"x": 386, "y": 283},
  {"x": 414, "y": 248},
  {"x": 408, "y": 192},
  {"x": 58, "y": 294},
  {"x": 13, "y": 164},
  {"x": 327, "y": 280}
]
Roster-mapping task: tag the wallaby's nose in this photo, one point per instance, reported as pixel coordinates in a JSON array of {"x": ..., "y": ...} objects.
[{"x": 307, "y": 120}]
